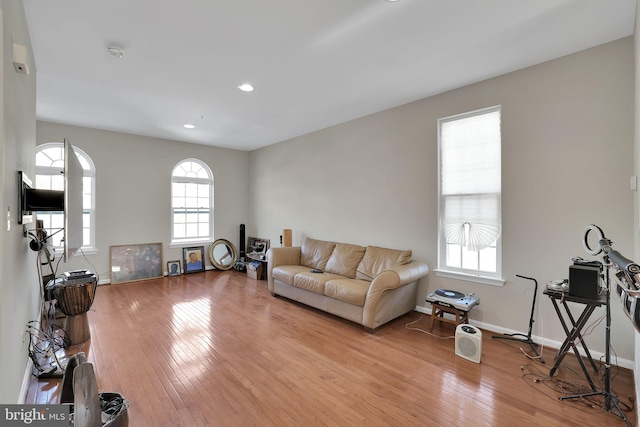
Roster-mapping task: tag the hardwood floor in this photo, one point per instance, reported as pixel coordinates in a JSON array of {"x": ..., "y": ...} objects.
[{"x": 216, "y": 349}]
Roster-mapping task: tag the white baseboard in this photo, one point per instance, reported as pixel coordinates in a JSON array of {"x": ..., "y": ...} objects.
[
  {"x": 25, "y": 382},
  {"x": 596, "y": 355}
]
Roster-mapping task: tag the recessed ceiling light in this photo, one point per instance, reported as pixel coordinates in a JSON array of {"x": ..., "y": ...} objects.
[
  {"x": 245, "y": 87},
  {"x": 189, "y": 126}
]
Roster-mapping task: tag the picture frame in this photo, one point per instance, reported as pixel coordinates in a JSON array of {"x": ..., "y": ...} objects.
[
  {"x": 257, "y": 247},
  {"x": 174, "y": 268},
  {"x": 131, "y": 263},
  {"x": 193, "y": 259}
]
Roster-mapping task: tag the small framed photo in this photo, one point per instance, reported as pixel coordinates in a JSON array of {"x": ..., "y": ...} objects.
[
  {"x": 173, "y": 268},
  {"x": 193, "y": 259}
]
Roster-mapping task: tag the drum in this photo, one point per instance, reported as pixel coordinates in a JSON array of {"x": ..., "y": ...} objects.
[{"x": 75, "y": 300}]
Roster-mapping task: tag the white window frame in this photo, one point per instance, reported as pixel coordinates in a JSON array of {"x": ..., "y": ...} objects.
[
  {"x": 177, "y": 241},
  {"x": 444, "y": 270},
  {"x": 90, "y": 172}
]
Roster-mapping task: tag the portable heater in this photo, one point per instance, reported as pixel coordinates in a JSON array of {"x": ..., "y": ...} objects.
[{"x": 468, "y": 342}]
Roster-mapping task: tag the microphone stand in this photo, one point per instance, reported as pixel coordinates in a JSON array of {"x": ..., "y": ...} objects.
[
  {"x": 610, "y": 401},
  {"x": 526, "y": 338}
]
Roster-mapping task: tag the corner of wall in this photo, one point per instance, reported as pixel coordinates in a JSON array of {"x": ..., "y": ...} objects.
[{"x": 636, "y": 201}]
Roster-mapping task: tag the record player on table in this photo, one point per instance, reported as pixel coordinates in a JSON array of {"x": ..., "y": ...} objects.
[{"x": 452, "y": 302}]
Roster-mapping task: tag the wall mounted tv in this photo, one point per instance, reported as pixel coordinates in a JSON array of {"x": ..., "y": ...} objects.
[{"x": 68, "y": 201}]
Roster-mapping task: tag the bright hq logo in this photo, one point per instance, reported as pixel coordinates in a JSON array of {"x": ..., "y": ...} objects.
[{"x": 36, "y": 415}]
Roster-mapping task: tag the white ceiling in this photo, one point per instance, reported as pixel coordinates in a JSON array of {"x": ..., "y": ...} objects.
[{"x": 314, "y": 63}]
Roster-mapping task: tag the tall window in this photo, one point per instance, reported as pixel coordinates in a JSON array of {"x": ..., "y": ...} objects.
[
  {"x": 470, "y": 193},
  {"x": 191, "y": 202},
  {"x": 49, "y": 167}
]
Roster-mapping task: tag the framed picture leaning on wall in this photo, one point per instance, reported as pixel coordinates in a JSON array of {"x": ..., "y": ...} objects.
[
  {"x": 173, "y": 268},
  {"x": 257, "y": 248},
  {"x": 193, "y": 259},
  {"x": 130, "y": 263}
]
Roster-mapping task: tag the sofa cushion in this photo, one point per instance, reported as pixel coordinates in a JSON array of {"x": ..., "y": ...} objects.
[
  {"x": 286, "y": 273},
  {"x": 376, "y": 260},
  {"x": 351, "y": 291},
  {"x": 316, "y": 253},
  {"x": 314, "y": 282},
  {"x": 344, "y": 259}
]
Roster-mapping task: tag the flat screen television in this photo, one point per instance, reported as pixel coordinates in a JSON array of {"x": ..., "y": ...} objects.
[{"x": 69, "y": 201}]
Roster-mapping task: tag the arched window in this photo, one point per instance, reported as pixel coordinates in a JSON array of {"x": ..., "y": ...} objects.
[
  {"x": 191, "y": 202},
  {"x": 49, "y": 166}
]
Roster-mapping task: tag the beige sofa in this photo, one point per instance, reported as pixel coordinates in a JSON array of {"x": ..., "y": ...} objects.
[{"x": 367, "y": 285}]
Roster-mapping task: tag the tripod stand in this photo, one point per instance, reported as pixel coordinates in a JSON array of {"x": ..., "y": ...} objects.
[
  {"x": 611, "y": 402},
  {"x": 526, "y": 338}
]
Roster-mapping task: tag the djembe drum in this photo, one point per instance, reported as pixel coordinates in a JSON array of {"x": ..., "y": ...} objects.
[{"x": 74, "y": 300}]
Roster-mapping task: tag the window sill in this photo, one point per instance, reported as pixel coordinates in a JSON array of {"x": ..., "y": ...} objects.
[
  {"x": 470, "y": 277},
  {"x": 174, "y": 245},
  {"x": 82, "y": 251}
]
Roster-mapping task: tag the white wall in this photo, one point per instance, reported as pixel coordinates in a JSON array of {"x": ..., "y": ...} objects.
[
  {"x": 567, "y": 129},
  {"x": 19, "y": 282},
  {"x": 133, "y": 191}
]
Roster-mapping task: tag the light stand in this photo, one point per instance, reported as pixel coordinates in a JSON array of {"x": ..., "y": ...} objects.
[
  {"x": 611, "y": 402},
  {"x": 611, "y": 259},
  {"x": 526, "y": 338}
]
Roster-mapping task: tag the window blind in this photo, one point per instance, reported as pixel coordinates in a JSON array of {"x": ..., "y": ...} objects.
[{"x": 471, "y": 179}]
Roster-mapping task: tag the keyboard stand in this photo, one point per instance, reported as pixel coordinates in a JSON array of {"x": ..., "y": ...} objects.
[{"x": 574, "y": 334}]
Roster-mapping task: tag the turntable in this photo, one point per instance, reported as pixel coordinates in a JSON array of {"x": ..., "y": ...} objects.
[
  {"x": 452, "y": 302},
  {"x": 453, "y": 299}
]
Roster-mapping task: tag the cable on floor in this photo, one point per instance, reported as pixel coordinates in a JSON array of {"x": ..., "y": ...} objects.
[{"x": 425, "y": 332}]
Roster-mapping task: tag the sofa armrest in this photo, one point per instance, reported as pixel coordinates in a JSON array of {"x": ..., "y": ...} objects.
[
  {"x": 385, "y": 293},
  {"x": 398, "y": 276},
  {"x": 281, "y": 256}
]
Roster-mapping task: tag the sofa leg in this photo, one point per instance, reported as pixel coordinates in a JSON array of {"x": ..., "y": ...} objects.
[{"x": 371, "y": 331}]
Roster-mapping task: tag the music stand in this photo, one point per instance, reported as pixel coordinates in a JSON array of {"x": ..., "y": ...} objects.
[{"x": 526, "y": 338}]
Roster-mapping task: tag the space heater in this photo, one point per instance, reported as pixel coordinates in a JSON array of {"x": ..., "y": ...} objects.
[{"x": 468, "y": 342}]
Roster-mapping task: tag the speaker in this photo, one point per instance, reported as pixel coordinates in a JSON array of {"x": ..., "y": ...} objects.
[
  {"x": 468, "y": 342},
  {"x": 243, "y": 242},
  {"x": 584, "y": 281}
]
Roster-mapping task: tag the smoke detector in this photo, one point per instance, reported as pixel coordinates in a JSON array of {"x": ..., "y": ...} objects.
[{"x": 115, "y": 52}]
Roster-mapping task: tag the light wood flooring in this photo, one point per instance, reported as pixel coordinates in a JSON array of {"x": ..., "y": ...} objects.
[{"x": 216, "y": 349}]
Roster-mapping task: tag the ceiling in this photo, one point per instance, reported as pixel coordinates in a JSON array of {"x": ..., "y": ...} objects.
[{"x": 313, "y": 63}]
